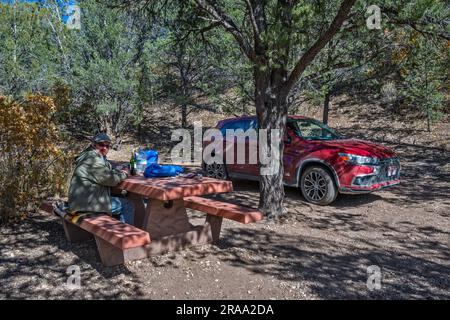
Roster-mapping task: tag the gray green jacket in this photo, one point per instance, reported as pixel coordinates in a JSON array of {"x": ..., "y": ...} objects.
[{"x": 92, "y": 179}]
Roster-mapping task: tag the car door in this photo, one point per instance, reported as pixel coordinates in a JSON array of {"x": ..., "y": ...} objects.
[
  {"x": 229, "y": 146},
  {"x": 294, "y": 151},
  {"x": 251, "y": 166},
  {"x": 246, "y": 148}
]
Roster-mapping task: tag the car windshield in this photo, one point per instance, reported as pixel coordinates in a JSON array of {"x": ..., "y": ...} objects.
[{"x": 310, "y": 129}]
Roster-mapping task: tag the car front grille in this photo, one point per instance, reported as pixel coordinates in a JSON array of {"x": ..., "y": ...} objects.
[
  {"x": 383, "y": 174},
  {"x": 385, "y": 166}
]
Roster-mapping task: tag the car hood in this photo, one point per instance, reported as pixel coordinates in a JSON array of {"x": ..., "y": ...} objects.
[{"x": 358, "y": 147}]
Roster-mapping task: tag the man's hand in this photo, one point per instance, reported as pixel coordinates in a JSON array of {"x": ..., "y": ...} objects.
[{"x": 123, "y": 169}]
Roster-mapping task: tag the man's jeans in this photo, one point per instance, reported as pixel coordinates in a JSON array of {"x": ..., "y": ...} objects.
[{"x": 122, "y": 209}]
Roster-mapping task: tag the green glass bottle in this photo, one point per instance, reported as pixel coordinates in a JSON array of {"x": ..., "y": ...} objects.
[{"x": 132, "y": 164}]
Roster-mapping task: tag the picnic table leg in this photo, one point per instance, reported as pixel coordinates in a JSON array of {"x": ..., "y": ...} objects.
[
  {"x": 215, "y": 224},
  {"x": 169, "y": 228},
  {"x": 111, "y": 255},
  {"x": 165, "y": 218},
  {"x": 75, "y": 233},
  {"x": 168, "y": 224},
  {"x": 139, "y": 209}
]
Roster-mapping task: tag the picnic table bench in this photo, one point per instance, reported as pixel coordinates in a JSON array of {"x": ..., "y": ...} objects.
[{"x": 162, "y": 224}]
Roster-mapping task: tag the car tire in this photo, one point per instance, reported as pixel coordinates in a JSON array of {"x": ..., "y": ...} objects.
[
  {"x": 317, "y": 186},
  {"x": 215, "y": 170}
]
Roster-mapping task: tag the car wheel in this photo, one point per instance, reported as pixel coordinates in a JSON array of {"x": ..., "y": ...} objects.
[
  {"x": 216, "y": 170},
  {"x": 317, "y": 186}
]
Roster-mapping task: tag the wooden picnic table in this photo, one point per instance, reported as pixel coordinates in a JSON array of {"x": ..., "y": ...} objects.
[
  {"x": 165, "y": 217},
  {"x": 161, "y": 223}
]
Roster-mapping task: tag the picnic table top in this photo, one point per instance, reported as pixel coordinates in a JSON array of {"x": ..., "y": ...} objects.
[{"x": 174, "y": 188}]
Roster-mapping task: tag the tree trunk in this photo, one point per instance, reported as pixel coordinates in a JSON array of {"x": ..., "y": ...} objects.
[
  {"x": 271, "y": 109},
  {"x": 139, "y": 133},
  {"x": 326, "y": 108},
  {"x": 183, "y": 115}
]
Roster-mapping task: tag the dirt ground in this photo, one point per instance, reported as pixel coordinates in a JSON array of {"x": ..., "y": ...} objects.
[{"x": 313, "y": 253}]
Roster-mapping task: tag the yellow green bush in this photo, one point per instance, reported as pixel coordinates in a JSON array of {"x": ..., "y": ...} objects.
[{"x": 33, "y": 163}]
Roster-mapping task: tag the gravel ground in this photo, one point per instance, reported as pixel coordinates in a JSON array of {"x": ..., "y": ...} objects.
[{"x": 314, "y": 253}]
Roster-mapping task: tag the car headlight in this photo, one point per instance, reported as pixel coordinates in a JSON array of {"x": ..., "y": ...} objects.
[{"x": 355, "y": 159}]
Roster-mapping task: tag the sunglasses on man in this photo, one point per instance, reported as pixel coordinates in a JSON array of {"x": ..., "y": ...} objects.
[{"x": 104, "y": 145}]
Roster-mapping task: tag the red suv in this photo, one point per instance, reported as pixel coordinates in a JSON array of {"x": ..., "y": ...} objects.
[{"x": 316, "y": 159}]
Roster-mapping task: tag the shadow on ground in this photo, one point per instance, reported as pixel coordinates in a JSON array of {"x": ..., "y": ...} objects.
[
  {"x": 35, "y": 265},
  {"x": 404, "y": 231},
  {"x": 341, "y": 272}
]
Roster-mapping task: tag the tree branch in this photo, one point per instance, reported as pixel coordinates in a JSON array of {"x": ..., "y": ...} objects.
[
  {"x": 309, "y": 55},
  {"x": 256, "y": 30},
  {"x": 414, "y": 25},
  {"x": 230, "y": 26}
]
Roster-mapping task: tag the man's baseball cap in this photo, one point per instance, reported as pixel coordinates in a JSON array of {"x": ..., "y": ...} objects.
[{"x": 101, "y": 137}]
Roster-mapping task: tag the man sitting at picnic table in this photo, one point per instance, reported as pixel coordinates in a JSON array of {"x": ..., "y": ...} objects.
[{"x": 92, "y": 179}]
